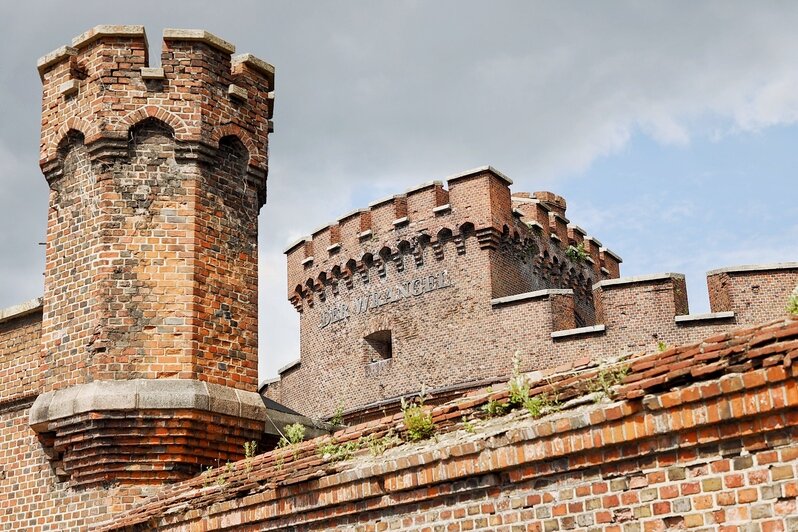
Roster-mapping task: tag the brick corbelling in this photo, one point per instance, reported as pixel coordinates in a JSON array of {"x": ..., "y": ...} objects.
[{"x": 756, "y": 407}]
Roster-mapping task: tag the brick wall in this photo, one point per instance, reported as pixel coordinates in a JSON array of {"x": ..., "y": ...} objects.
[
  {"x": 475, "y": 231},
  {"x": 151, "y": 265},
  {"x": 20, "y": 355},
  {"x": 516, "y": 294},
  {"x": 701, "y": 436}
]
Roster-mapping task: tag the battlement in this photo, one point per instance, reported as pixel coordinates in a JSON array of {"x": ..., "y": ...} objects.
[
  {"x": 474, "y": 203},
  {"x": 101, "y": 85}
]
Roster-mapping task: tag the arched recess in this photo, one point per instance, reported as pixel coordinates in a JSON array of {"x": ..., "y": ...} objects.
[
  {"x": 178, "y": 126},
  {"x": 73, "y": 125},
  {"x": 233, "y": 130}
]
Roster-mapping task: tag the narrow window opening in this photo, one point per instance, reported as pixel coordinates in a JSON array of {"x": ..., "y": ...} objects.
[{"x": 379, "y": 346}]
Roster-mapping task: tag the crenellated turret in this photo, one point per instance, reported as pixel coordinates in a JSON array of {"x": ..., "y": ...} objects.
[{"x": 157, "y": 176}]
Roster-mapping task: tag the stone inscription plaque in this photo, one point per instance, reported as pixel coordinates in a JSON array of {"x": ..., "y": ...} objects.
[{"x": 372, "y": 300}]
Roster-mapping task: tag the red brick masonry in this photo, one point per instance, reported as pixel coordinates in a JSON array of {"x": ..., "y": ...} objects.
[{"x": 698, "y": 436}]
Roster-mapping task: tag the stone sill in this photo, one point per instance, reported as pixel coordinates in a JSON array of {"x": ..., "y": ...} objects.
[
  {"x": 690, "y": 318},
  {"x": 531, "y": 295},
  {"x": 579, "y": 331}
]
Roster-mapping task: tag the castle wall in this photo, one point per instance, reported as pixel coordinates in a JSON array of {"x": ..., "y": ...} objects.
[
  {"x": 477, "y": 233},
  {"x": 695, "y": 437},
  {"x": 527, "y": 287}
]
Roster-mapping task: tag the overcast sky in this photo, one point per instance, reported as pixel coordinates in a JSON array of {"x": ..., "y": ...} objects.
[{"x": 670, "y": 128}]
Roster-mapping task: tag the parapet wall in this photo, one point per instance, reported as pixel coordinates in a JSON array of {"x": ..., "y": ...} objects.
[
  {"x": 102, "y": 84},
  {"x": 20, "y": 354},
  {"x": 425, "y": 218},
  {"x": 701, "y": 437},
  {"x": 633, "y": 315}
]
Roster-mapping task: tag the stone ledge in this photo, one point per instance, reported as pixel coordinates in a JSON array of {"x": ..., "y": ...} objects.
[
  {"x": 23, "y": 309},
  {"x": 173, "y": 34},
  {"x": 532, "y": 295},
  {"x": 107, "y": 30},
  {"x": 756, "y": 268},
  {"x": 290, "y": 365},
  {"x": 689, "y": 318},
  {"x": 142, "y": 394},
  {"x": 479, "y": 170},
  {"x": 578, "y": 331},
  {"x": 637, "y": 279}
]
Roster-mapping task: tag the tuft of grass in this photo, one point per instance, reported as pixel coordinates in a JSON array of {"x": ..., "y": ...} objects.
[
  {"x": 540, "y": 405},
  {"x": 292, "y": 434},
  {"x": 338, "y": 452},
  {"x": 606, "y": 380},
  {"x": 469, "y": 426},
  {"x": 577, "y": 253},
  {"x": 661, "y": 346},
  {"x": 418, "y": 419},
  {"x": 338, "y": 417},
  {"x": 792, "y": 302}
]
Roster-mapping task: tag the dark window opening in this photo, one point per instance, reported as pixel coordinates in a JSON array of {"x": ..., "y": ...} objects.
[{"x": 379, "y": 346}]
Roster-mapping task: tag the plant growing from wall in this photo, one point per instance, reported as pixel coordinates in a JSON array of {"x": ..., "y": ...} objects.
[
  {"x": 250, "y": 449},
  {"x": 604, "y": 382},
  {"x": 338, "y": 417},
  {"x": 577, "y": 253},
  {"x": 792, "y": 302},
  {"x": 418, "y": 419},
  {"x": 293, "y": 433}
]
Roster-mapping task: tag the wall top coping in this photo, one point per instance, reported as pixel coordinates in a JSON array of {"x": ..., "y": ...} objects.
[
  {"x": 296, "y": 242},
  {"x": 108, "y": 30},
  {"x": 386, "y": 199},
  {"x": 704, "y": 317},
  {"x": 288, "y": 366},
  {"x": 531, "y": 295},
  {"x": 253, "y": 62},
  {"x": 22, "y": 309},
  {"x": 422, "y": 186},
  {"x": 755, "y": 267},
  {"x": 173, "y": 34},
  {"x": 637, "y": 279},
  {"x": 479, "y": 170},
  {"x": 612, "y": 254}
]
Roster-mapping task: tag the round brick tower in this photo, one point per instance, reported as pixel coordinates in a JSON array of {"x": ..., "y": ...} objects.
[{"x": 156, "y": 175}]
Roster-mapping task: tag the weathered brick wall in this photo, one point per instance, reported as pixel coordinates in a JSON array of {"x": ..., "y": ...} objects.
[
  {"x": 516, "y": 293},
  {"x": 701, "y": 437},
  {"x": 471, "y": 232},
  {"x": 33, "y": 498},
  {"x": 20, "y": 356},
  {"x": 151, "y": 266}
]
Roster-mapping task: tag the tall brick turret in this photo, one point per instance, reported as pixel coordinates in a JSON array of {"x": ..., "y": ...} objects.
[{"x": 156, "y": 178}]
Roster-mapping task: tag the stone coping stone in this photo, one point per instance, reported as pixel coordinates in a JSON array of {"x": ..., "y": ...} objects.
[
  {"x": 108, "y": 30},
  {"x": 256, "y": 64},
  {"x": 532, "y": 295},
  {"x": 23, "y": 309},
  {"x": 144, "y": 394},
  {"x": 688, "y": 318},
  {"x": 290, "y": 365},
  {"x": 295, "y": 243},
  {"x": 755, "y": 268},
  {"x": 204, "y": 36},
  {"x": 423, "y": 186},
  {"x": 479, "y": 170},
  {"x": 579, "y": 331},
  {"x": 637, "y": 279}
]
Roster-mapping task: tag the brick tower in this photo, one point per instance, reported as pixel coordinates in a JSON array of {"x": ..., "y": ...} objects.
[{"x": 156, "y": 175}]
